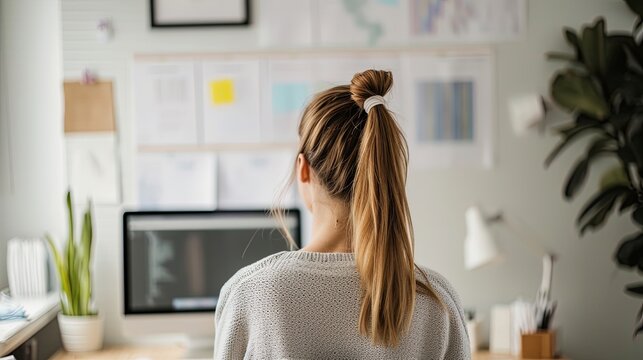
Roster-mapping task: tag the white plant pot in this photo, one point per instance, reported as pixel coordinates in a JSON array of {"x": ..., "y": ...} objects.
[{"x": 81, "y": 333}]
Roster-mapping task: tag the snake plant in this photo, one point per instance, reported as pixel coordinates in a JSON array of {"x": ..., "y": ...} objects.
[
  {"x": 602, "y": 85},
  {"x": 73, "y": 265}
]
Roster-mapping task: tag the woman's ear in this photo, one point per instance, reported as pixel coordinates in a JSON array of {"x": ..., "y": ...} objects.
[
  {"x": 303, "y": 169},
  {"x": 304, "y": 181}
]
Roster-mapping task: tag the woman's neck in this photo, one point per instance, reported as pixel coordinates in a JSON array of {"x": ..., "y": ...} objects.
[{"x": 329, "y": 231}]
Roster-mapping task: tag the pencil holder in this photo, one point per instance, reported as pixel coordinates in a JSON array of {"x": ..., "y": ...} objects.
[{"x": 539, "y": 345}]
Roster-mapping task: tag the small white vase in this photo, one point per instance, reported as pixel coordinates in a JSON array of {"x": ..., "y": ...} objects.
[{"x": 81, "y": 333}]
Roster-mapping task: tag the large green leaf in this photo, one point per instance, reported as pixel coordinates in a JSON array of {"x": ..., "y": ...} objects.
[
  {"x": 636, "y": 6},
  {"x": 637, "y": 216},
  {"x": 613, "y": 177},
  {"x": 639, "y": 320},
  {"x": 630, "y": 251},
  {"x": 84, "y": 263},
  {"x": 572, "y": 133},
  {"x": 593, "y": 47},
  {"x": 628, "y": 201},
  {"x": 599, "y": 207},
  {"x": 585, "y": 120},
  {"x": 576, "y": 178},
  {"x": 601, "y": 198},
  {"x": 70, "y": 215},
  {"x": 629, "y": 88},
  {"x": 635, "y": 141},
  {"x": 616, "y": 58},
  {"x": 577, "y": 175},
  {"x": 601, "y": 146},
  {"x": 73, "y": 275},
  {"x": 574, "y": 41},
  {"x": 629, "y": 44},
  {"x": 87, "y": 232},
  {"x": 635, "y": 289},
  {"x": 575, "y": 91},
  {"x": 63, "y": 276}
]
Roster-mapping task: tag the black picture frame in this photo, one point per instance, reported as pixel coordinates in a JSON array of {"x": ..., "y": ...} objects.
[{"x": 156, "y": 24}]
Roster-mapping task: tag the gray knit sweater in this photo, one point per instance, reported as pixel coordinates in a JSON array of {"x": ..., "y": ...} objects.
[{"x": 305, "y": 305}]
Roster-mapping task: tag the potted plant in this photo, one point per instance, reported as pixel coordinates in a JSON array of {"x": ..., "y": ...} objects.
[
  {"x": 80, "y": 326},
  {"x": 602, "y": 86}
]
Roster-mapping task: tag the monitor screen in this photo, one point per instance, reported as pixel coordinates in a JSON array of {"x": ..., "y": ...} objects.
[{"x": 178, "y": 261}]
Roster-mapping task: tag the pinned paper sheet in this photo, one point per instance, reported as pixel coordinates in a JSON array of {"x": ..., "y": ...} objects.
[
  {"x": 289, "y": 97},
  {"x": 231, "y": 97},
  {"x": 222, "y": 92},
  {"x": 92, "y": 168},
  {"x": 165, "y": 103},
  {"x": 449, "y": 109},
  {"x": 176, "y": 181},
  {"x": 253, "y": 180},
  {"x": 291, "y": 84}
]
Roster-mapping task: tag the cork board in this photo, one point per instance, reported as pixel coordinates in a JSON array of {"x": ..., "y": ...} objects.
[{"x": 89, "y": 107}]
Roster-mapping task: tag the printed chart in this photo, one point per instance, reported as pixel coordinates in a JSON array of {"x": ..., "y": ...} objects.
[
  {"x": 451, "y": 112},
  {"x": 313, "y": 23},
  {"x": 469, "y": 20}
]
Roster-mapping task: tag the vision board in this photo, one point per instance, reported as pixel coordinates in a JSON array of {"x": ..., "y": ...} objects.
[{"x": 201, "y": 119}]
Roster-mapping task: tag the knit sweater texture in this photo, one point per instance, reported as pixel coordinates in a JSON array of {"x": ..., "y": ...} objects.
[{"x": 305, "y": 305}]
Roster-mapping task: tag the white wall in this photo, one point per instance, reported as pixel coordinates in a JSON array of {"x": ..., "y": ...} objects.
[
  {"x": 594, "y": 316},
  {"x": 31, "y": 151}
]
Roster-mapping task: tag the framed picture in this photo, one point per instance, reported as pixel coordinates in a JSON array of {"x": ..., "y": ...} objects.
[{"x": 182, "y": 13}]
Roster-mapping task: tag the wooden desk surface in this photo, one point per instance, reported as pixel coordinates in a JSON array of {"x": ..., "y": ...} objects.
[
  {"x": 126, "y": 352},
  {"x": 176, "y": 352},
  {"x": 487, "y": 356},
  {"x": 484, "y": 355}
]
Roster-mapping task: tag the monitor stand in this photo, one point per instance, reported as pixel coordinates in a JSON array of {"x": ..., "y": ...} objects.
[{"x": 199, "y": 348}]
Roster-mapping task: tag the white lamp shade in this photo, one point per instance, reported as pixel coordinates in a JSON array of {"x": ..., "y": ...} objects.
[{"x": 479, "y": 247}]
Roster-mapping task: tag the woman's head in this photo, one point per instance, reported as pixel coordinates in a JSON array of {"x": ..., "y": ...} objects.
[
  {"x": 330, "y": 134},
  {"x": 359, "y": 159}
]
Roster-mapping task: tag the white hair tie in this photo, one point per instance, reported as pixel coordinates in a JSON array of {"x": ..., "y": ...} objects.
[{"x": 372, "y": 101}]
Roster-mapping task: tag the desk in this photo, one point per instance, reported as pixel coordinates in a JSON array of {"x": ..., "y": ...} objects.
[
  {"x": 175, "y": 352},
  {"x": 40, "y": 312},
  {"x": 485, "y": 355},
  {"x": 125, "y": 352}
]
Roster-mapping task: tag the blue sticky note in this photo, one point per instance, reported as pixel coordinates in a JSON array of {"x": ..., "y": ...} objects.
[{"x": 289, "y": 97}]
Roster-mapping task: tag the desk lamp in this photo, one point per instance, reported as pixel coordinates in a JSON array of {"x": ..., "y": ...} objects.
[
  {"x": 480, "y": 249},
  {"x": 479, "y": 246}
]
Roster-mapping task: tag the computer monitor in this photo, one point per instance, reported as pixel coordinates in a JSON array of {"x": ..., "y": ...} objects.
[{"x": 175, "y": 263}]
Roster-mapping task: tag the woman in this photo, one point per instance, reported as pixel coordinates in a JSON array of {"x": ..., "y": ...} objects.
[{"x": 354, "y": 292}]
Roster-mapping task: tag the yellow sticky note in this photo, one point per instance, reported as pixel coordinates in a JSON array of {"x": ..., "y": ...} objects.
[{"x": 222, "y": 92}]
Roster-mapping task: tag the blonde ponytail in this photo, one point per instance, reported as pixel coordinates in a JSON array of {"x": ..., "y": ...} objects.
[
  {"x": 382, "y": 229},
  {"x": 362, "y": 159}
]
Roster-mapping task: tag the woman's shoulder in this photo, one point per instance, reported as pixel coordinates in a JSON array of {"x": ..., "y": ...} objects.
[
  {"x": 437, "y": 281},
  {"x": 247, "y": 273},
  {"x": 442, "y": 288}
]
